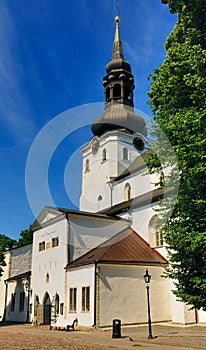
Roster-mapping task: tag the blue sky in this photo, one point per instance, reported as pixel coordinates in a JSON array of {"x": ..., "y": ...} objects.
[{"x": 52, "y": 58}]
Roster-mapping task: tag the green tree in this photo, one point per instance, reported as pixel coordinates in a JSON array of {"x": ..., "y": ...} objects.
[
  {"x": 6, "y": 243},
  {"x": 25, "y": 238},
  {"x": 178, "y": 101}
]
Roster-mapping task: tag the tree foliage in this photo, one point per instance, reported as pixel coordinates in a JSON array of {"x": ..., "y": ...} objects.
[
  {"x": 178, "y": 102},
  {"x": 25, "y": 238},
  {"x": 7, "y": 243}
]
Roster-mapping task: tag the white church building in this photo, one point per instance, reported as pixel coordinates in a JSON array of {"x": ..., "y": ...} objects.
[{"x": 89, "y": 264}]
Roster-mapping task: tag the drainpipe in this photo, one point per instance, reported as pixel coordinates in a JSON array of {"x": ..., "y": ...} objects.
[
  {"x": 5, "y": 303},
  {"x": 96, "y": 296}
]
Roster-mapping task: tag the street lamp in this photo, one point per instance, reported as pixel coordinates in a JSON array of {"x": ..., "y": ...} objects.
[
  {"x": 27, "y": 286},
  {"x": 147, "y": 279}
]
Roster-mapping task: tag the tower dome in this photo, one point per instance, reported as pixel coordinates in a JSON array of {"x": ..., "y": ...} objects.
[{"x": 118, "y": 94}]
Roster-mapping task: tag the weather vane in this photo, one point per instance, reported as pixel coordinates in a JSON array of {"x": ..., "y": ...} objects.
[{"x": 118, "y": 8}]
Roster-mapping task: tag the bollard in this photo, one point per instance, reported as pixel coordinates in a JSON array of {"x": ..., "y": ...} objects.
[{"x": 116, "y": 329}]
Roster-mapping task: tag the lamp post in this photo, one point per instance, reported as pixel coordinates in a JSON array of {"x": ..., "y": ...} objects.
[{"x": 147, "y": 279}]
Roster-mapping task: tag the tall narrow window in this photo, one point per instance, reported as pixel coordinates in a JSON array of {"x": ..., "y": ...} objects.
[
  {"x": 127, "y": 192},
  {"x": 155, "y": 232},
  {"x": 108, "y": 94},
  {"x": 104, "y": 155},
  {"x": 85, "y": 299},
  {"x": 73, "y": 299},
  {"x": 125, "y": 153},
  {"x": 117, "y": 92},
  {"x": 159, "y": 238},
  {"x": 13, "y": 297},
  {"x": 87, "y": 166},
  {"x": 21, "y": 301}
]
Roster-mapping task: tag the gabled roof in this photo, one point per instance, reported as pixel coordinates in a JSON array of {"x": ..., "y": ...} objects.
[
  {"x": 126, "y": 247},
  {"x": 58, "y": 213}
]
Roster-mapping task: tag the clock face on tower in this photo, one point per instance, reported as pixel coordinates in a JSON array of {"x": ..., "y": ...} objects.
[
  {"x": 138, "y": 143},
  {"x": 95, "y": 145}
]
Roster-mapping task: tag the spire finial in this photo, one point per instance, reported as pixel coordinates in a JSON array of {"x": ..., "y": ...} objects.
[
  {"x": 117, "y": 18},
  {"x": 117, "y": 49}
]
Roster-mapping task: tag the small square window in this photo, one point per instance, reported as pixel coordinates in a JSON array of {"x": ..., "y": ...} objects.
[{"x": 55, "y": 242}]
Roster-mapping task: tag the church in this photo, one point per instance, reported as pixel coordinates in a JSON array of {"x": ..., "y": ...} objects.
[{"x": 88, "y": 264}]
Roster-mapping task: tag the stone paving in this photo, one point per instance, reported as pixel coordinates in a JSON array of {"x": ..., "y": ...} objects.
[{"x": 166, "y": 337}]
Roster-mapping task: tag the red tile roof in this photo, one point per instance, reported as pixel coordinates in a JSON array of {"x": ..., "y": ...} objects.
[{"x": 127, "y": 247}]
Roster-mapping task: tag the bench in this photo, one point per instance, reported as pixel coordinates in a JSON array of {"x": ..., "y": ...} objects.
[{"x": 63, "y": 323}]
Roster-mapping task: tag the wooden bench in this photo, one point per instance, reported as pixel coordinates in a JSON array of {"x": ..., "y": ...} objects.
[{"x": 64, "y": 324}]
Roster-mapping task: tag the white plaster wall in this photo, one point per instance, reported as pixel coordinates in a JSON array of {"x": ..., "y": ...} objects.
[
  {"x": 123, "y": 295},
  {"x": 17, "y": 316},
  {"x": 51, "y": 261},
  {"x": 86, "y": 234},
  {"x": 78, "y": 278},
  {"x": 181, "y": 312},
  {"x": 140, "y": 183},
  {"x": 202, "y": 316},
  {"x": 4, "y": 276},
  {"x": 140, "y": 218},
  {"x": 95, "y": 181}
]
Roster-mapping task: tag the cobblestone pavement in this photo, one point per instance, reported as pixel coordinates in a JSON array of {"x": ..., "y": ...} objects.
[{"x": 166, "y": 337}]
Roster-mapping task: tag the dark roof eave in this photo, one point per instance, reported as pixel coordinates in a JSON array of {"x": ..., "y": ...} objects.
[
  {"x": 18, "y": 277},
  {"x": 119, "y": 262}
]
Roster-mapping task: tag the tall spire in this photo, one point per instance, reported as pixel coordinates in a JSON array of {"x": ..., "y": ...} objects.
[{"x": 117, "y": 48}]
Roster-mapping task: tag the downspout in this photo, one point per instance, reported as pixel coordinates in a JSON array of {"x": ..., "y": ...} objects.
[
  {"x": 97, "y": 297},
  {"x": 95, "y": 294},
  {"x": 5, "y": 303},
  {"x": 68, "y": 260}
]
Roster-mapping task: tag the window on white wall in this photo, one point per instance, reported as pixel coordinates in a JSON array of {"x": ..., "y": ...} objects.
[
  {"x": 125, "y": 153},
  {"x": 13, "y": 298},
  {"x": 104, "y": 155},
  {"x": 87, "y": 169},
  {"x": 72, "y": 299},
  {"x": 41, "y": 246},
  {"x": 127, "y": 192},
  {"x": 85, "y": 299},
  {"x": 155, "y": 234},
  {"x": 55, "y": 242}
]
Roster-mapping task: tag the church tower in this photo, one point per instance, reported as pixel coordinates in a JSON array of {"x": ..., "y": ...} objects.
[{"x": 119, "y": 134}]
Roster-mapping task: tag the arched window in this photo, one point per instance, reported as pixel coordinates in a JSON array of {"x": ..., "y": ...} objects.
[
  {"x": 104, "y": 155},
  {"x": 108, "y": 94},
  {"x": 99, "y": 202},
  {"x": 127, "y": 93},
  {"x": 155, "y": 233},
  {"x": 47, "y": 278},
  {"x": 117, "y": 92},
  {"x": 87, "y": 166},
  {"x": 125, "y": 153},
  {"x": 127, "y": 192}
]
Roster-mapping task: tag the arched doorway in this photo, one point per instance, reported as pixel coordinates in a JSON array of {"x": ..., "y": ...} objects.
[{"x": 47, "y": 308}]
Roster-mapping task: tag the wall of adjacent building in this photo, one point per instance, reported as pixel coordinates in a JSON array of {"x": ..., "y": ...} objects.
[
  {"x": 5, "y": 275},
  {"x": 78, "y": 278},
  {"x": 48, "y": 264},
  {"x": 122, "y": 295},
  {"x": 88, "y": 233}
]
